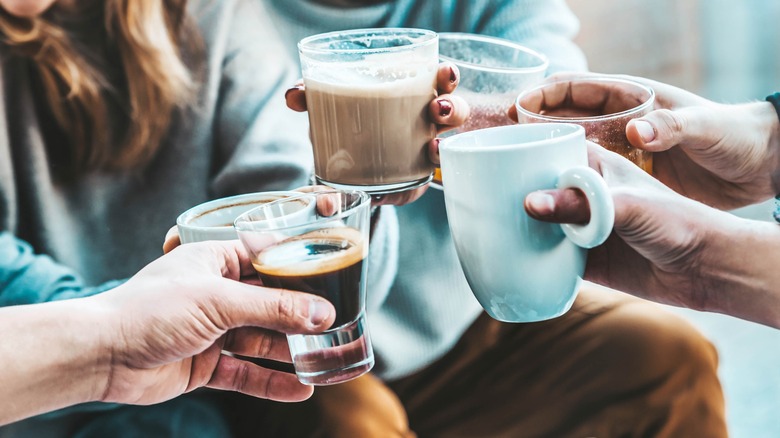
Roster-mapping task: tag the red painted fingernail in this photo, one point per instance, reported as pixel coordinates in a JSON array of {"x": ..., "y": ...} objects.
[
  {"x": 453, "y": 76},
  {"x": 290, "y": 90},
  {"x": 445, "y": 107}
]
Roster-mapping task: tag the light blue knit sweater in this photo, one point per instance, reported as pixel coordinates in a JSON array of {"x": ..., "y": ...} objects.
[{"x": 429, "y": 304}]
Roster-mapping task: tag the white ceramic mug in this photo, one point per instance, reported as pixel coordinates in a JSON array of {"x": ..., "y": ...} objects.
[
  {"x": 521, "y": 269},
  {"x": 213, "y": 220}
]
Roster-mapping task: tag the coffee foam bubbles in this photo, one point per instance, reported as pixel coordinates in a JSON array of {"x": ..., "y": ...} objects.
[{"x": 386, "y": 74}]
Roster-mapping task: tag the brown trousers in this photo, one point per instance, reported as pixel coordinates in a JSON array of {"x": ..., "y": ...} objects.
[{"x": 613, "y": 366}]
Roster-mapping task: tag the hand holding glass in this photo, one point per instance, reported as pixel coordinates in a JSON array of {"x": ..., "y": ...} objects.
[{"x": 367, "y": 94}]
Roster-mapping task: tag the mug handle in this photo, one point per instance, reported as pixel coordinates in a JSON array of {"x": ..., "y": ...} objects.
[{"x": 602, "y": 208}]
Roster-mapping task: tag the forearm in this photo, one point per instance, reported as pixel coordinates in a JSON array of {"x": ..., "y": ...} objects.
[
  {"x": 53, "y": 355},
  {"x": 740, "y": 273}
]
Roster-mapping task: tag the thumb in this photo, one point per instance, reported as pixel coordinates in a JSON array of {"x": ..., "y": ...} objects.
[
  {"x": 280, "y": 310},
  {"x": 664, "y": 129},
  {"x": 172, "y": 239}
]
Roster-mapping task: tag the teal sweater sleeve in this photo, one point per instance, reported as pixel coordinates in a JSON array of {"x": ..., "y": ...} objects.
[{"x": 28, "y": 278}]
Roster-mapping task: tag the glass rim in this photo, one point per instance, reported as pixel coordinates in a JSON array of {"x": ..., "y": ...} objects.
[
  {"x": 364, "y": 201},
  {"x": 429, "y": 37},
  {"x": 574, "y": 130},
  {"x": 545, "y": 62},
  {"x": 641, "y": 107},
  {"x": 185, "y": 218}
]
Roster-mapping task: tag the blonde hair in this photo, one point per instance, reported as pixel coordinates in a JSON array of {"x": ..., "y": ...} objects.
[{"x": 147, "y": 36}]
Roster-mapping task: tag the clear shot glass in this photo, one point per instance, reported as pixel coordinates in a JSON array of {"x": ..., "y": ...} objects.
[{"x": 325, "y": 255}]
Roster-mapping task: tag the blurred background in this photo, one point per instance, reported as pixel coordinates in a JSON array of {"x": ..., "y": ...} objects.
[{"x": 727, "y": 51}]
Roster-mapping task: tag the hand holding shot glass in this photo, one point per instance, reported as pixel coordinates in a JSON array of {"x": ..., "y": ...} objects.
[{"x": 323, "y": 255}]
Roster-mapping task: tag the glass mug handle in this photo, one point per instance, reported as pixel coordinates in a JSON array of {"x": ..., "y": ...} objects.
[{"x": 602, "y": 209}]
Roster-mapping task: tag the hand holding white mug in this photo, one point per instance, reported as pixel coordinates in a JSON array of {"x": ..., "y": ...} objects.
[{"x": 671, "y": 249}]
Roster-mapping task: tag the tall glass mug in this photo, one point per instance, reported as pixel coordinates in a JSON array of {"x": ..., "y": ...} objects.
[
  {"x": 601, "y": 105},
  {"x": 493, "y": 71},
  {"x": 323, "y": 254},
  {"x": 367, "y": 93}
]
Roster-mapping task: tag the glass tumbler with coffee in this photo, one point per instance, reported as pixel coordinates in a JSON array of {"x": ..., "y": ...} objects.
[
  {"x": 323, "y": 255},
  {"x": 493, "y": 71},
  {"x": 601, "y": 105},
  {"x": 367, "y": 95}
]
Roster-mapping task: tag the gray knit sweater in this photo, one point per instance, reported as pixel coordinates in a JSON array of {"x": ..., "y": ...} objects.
[
  {"x": 106, "y": 226},
  {"x": 430, "y": 304}
]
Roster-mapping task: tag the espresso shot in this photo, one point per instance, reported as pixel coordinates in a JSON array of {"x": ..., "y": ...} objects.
[{"x": 329, "y": 263}]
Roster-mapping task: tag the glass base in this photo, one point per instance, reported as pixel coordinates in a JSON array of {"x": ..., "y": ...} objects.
[
  {"x": 339, "y": 376},
  {"x": 335, "y": 356},
  {"x": 380, "y": 189}
]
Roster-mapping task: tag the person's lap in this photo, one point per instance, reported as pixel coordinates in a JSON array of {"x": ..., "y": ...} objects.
[{"x": 613, "y": 365}]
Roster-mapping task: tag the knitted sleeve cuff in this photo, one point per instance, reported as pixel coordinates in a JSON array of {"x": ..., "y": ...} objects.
[{"x": 774, "y": 99}]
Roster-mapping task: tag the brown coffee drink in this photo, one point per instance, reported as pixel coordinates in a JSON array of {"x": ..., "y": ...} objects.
[
  {"x": 601, "y": 105},
  {"x": 371, "y": 134}
]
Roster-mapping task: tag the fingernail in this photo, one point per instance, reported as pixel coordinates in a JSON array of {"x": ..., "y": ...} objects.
[
  {"x": 290, "y": 90},
  {"x": 645, "y": 130},
  {"x": 445, "y": 107},
  {"x": 453, "y": 75},
  {"x": 319, "y": 311},
  {"x": 541, "y": 203}
]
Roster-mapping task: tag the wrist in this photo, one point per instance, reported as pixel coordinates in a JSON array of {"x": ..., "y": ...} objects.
[
  {"x": 738, "y": 274},
  {"x": 89, "y": 339},
  {"x": 104, "y": 320}
]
